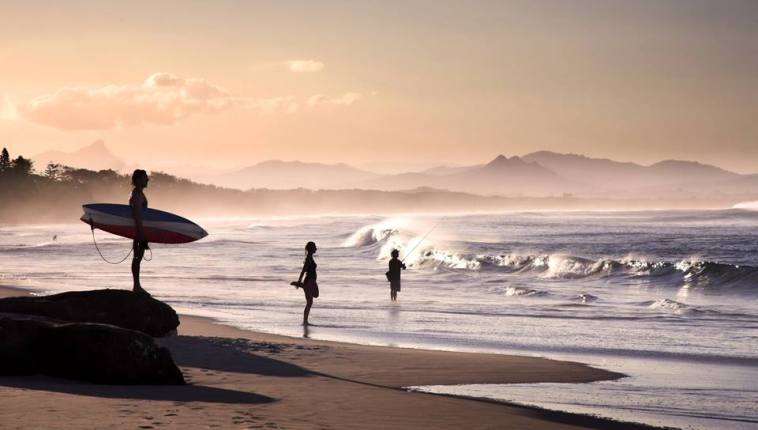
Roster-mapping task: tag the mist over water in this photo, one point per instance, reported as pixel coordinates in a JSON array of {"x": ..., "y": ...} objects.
[{"x": 670, "y": 298}]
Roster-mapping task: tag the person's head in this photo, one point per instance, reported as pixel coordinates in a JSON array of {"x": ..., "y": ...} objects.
[
  {"x": 310, "y": 247},
  {"x": 395, "y": 253},
  {"x": 139, "y": 178}
]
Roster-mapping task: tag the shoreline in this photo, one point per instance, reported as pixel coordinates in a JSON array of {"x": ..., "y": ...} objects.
[{"x": 245, "y": 379}]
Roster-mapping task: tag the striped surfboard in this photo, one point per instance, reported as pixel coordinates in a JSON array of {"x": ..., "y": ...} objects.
[{"x": 159, "y": 226}]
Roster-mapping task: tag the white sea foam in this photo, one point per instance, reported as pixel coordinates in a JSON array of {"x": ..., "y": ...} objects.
[{"x": 753, "y": 206}]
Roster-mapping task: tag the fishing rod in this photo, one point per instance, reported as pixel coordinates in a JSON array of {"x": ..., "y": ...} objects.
[{"x": 422, "y": 240}]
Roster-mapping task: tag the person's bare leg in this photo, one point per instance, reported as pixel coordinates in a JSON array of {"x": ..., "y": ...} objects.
[
  {"x": 307, "y": 311},
  {"x": 136, "y": 260}
]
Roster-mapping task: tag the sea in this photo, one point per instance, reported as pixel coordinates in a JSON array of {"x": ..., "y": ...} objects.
[{"x": 669, "y": 298}]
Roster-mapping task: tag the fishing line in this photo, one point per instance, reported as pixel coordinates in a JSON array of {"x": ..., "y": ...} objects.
[{"x": 422, "y": 239}]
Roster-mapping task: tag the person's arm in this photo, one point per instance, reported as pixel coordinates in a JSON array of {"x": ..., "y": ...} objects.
[
  {"x": 402, "y": 265},
  {"x": 137, "y": 215},
  {"x": 302, "y": 272}
]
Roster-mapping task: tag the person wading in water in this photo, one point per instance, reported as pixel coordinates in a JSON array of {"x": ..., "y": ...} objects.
[
  {"x": 309, "y": 286},
  {"x": 138, "y": 202},
  {"x": 393, "y": 275}
]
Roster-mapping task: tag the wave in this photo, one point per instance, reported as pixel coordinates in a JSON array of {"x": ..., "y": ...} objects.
[
  {"x": 523, "y": 291},
  {"x": 753, "y": 206},
  {"x": 688, "y": 274},
  {"x": 369, "y": 235},
  {"x": 672, "y": 306}
]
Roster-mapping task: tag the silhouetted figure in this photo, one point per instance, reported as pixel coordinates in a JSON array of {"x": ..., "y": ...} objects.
[
  {"x": 393, "y": 275},
  {"x": 309, "y": 286},
  {"x": 138, "y": 202}
]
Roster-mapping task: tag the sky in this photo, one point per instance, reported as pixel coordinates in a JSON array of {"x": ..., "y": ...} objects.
[{"x": 391, "y": 83}]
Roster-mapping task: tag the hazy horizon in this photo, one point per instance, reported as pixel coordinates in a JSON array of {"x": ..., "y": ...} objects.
[
  {"x": 418, "y": 84},
  {"x": 379, "y": 167}
]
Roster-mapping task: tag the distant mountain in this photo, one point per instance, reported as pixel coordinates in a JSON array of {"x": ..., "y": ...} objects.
[
  {"x": 446, "y": 170},
  {"x": 538, "y": 174},
  {"x": 95, "y": 156},
  {"x": 592, "y": 171},
  {"x": 502, "y": 176},
  {"x": 280, "y": 175},
  {"x": 744, "y": 185},
  {"x": 603, "y": 175},
  {"x": 676, "y": 171}
]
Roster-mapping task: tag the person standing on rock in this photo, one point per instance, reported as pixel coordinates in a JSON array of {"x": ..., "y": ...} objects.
[
  {"x": 309, "y": 286},
  {"x": 138, "y": 202}
]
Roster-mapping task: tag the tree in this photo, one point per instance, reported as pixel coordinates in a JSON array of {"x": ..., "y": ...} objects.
[
  {"x": 56, "y": 172},
  {"x": 22, "y": 166},
  {"x": 5, "y": 161}
]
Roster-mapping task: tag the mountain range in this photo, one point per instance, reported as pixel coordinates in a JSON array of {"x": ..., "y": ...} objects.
[
  {"x": 537, "y": 174},
  {"x": 95, "y": 156}
]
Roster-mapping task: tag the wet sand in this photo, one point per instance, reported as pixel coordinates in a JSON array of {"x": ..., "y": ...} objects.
[{"x": 242, "y": 379}]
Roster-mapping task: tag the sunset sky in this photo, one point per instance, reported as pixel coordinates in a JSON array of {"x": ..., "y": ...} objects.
[{"x": 419, "y": 83}]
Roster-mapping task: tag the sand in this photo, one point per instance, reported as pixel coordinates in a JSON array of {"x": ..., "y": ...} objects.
[{"x": 241, "y": 379}]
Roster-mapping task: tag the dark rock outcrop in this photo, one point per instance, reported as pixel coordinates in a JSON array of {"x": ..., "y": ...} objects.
[
  {"x": 121, "y": 308},
  {"x": 90, "y": 352}
]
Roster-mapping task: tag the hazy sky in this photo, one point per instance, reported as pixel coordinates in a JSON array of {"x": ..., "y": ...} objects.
[{"x": 419, "y": 82}]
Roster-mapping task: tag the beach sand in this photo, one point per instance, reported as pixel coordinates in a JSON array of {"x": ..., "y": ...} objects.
[{"x": 241, "y": 379}]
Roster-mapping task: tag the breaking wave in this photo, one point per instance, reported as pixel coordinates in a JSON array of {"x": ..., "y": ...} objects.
[
  {"x": 688, "y": 274},
  {"x": 369, "y": 235},
  {"x": 753, "y": 206}
]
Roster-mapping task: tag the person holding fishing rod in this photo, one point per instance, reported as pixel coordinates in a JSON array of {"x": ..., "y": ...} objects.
[
  {"x": 396, "y": 265},
  {"x": 393, "y": 275}
]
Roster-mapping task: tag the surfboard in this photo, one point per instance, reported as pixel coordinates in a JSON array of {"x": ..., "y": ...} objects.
[{"x": 159, "y": 226}]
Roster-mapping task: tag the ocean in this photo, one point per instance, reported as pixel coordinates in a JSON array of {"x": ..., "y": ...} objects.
[{"x": 669, "y": 298}]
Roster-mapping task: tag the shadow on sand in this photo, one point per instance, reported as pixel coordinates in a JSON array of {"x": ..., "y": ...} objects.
[
  {"x": 220, "y": 354},
  {"x": 230, "y": 355},
  {"x": 175, "y": 393}
]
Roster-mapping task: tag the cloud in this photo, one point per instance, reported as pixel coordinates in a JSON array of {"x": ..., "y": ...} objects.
[
  {"x": 163, "y": 98},
  {"x": 286, "y": 104},
  {"x": 346, "y": 99},
  {"x": 304, "y": 66},
  {"x": 8, "y": 110}
]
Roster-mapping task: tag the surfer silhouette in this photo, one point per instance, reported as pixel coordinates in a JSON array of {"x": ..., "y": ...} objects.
[
  {"x": 393, "y": 275},
  {"x": 309, "y": 286},
  {"x": 137, "y": 202}
]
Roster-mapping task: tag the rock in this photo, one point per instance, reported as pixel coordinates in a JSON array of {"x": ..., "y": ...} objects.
[
  {"x": 90, "y": 352},
  {"x": 121, "y": 308}
]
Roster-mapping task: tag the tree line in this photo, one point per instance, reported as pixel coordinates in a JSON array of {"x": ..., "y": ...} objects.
[{"x": 19, "y": 166}]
